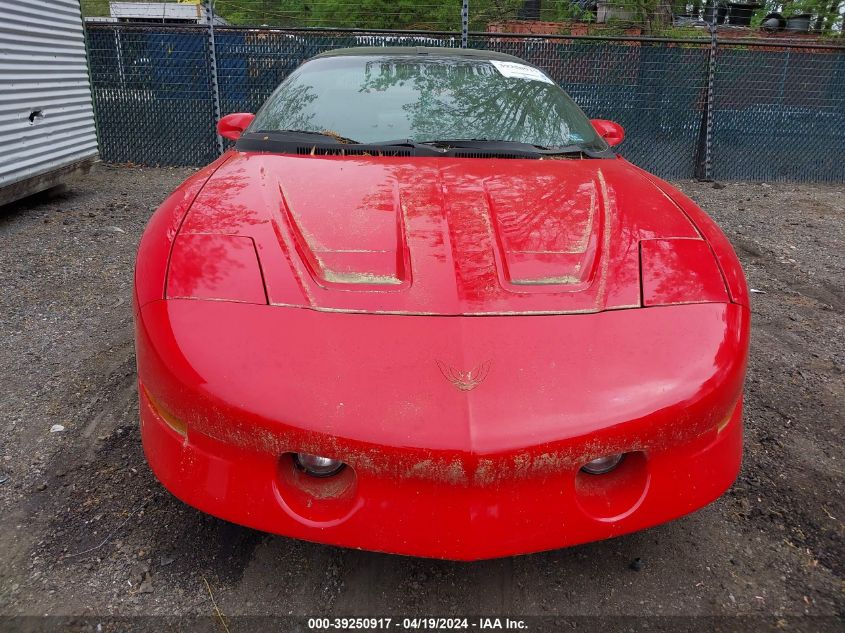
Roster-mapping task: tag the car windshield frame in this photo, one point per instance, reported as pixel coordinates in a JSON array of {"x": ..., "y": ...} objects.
[{"x": 410, "y": 104}]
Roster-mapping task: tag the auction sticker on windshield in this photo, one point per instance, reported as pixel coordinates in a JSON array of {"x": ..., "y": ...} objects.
[{"x": 512, "y": 70}]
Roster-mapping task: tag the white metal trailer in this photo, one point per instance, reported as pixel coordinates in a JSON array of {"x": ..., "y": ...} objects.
[{"x": 47, "y": 128}]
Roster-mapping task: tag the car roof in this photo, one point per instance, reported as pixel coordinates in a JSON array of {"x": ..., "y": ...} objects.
[{"x": 432, "y": 51}]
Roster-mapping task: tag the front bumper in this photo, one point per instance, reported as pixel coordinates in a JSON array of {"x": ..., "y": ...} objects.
[{"x": 471, "y": 487}]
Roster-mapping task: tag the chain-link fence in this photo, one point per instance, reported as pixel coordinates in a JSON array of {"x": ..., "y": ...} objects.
[
  {"x": 695, "y": 107},
  {"x": 152, "y": 94},
  {"x": 779, "y": 113}
]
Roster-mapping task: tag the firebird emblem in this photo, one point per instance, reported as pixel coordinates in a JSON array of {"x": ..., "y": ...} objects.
[{"x": 465, "y": 380}]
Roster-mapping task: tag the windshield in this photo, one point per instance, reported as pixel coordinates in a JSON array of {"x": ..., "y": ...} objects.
[{"x": 373, "y": 99}]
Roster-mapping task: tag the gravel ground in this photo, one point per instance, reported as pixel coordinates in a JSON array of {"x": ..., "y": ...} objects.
[{"x": 85, "y": 530}]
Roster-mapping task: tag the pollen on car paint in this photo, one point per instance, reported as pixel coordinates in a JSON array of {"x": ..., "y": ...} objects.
[{"x": 359, "y": 278}]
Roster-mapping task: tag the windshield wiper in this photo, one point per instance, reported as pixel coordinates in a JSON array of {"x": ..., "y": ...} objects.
[
  {"x": 309, "y": 135},
  {"x": 408, "y": 142},
  {"x": 435, "y": 147},
  {"x": 511, "y": 146}
]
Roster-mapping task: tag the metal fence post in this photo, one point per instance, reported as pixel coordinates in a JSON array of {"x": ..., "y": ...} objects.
[
  {"x": 711, "y": 98},
  {"x": 464, "y": 23},
  {"x": 212, "y": 68},
  {"x": 704, "y": 160}
]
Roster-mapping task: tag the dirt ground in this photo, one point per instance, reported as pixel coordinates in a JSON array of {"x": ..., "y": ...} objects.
[{"x": 85, "y": 529}]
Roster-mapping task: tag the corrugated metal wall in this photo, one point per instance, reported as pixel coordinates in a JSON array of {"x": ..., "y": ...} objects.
[{"x": 43, "y": 68}]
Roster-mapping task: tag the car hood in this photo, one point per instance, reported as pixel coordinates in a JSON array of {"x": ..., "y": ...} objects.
[{"x": 438, "y": 235}]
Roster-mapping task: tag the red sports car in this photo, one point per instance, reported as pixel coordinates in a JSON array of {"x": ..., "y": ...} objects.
[{"x": 421, "y": 307}]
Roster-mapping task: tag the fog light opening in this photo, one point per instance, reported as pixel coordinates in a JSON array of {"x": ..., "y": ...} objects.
[
  {"x": 317, "y": 465},
  {"x": 603, "y": 465}
]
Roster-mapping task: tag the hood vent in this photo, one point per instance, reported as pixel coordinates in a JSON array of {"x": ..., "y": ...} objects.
[
  {"x": 463, "y": 154},
  {"x": 350, "y": 151}
]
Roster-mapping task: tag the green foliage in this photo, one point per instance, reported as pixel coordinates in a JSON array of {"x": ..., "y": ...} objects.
[
  {"x": 565, "y": 12},
  {"x": 387, "y": 14},
  {"x": 376, "y": 14},
  {"x": 483, "y": 12},
  {"x": 95, "y": 8}
]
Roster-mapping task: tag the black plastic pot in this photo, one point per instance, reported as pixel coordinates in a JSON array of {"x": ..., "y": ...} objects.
[
  {"x": 773, "y": 22},
  {"x": 715, "y": 13},
  {"x": 799, "y": 23},
  {"x": 739, "y": 13}
]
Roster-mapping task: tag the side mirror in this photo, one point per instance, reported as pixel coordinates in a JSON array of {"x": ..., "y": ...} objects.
[
  {"x": 611, "y": 132},
  {"x": 232, "y": 126}
]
